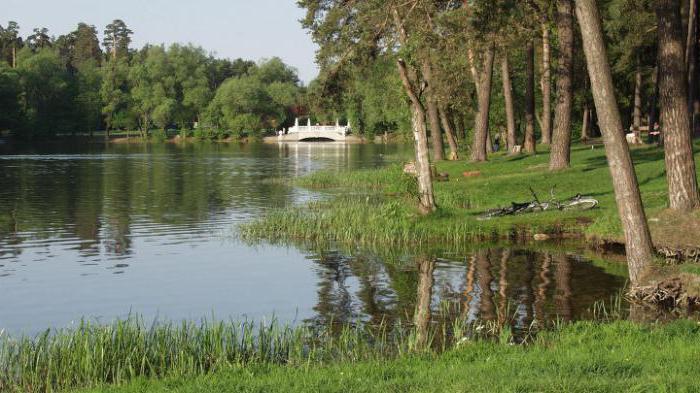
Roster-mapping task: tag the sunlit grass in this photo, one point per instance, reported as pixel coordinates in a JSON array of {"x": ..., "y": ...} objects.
[
  {"x": 95, "y": 354},
  {"x": 378, "y": 206},
  {"x": 583, "y": 357}
]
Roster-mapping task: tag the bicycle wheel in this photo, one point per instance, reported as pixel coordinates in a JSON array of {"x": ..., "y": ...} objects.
[{"x": 580, "y": 204}]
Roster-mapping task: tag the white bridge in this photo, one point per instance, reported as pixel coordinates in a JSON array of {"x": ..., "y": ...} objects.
[{"x": 336, "y": 133}]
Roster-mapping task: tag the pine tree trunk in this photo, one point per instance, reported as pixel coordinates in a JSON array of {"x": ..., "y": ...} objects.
[
  {"x": 422, "y": 315},
  {"x": 652, "y": 113},
  {"x": 675, "y": 117},
  {"x": 510, "y": 106},
  {"x": 449, "y": 132},
  {"x": 586, "y": 124},
  {"x": 629, "y": 202},
  {"x": 481, "y": 128},
  {"x": 560, "y": 157},
  {"x": 433, "y": 114},
  {"x": 637, "y": 116},
  {"x": 426, "y": 198},
  {"x": 529, "y": 144},
  {"x": 435, "y": 131},
  {"x": 546, "y": 86},
  {"x": 691, "y": 63}
]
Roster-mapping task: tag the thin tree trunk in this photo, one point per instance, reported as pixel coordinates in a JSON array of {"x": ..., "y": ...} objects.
[
  {"x": 652, "y": 114},
  {"x": 675, "y": 117},
  {"x": 586, "y": 127},
  {"x": 629, "y": 202},
  {"x": 560, "y": 157},
  {"x": 426, "y": 198},
  {"x": 510, "y": 106},
  {"x": 637, "y": 116},
  {"x": 14, "y": 55},
  {"x": 529, "y": 144},
  {"x": 546, "y": 86},
  {"x": 433, "y": 114},
  {"x": 421, "y": 318},
  {"x": 481, "y": 129},
  {"x": 449, "y": 132}
]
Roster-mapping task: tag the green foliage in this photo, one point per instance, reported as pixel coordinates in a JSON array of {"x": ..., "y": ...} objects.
[
  {"x": 255, "y": 103},
  {"x": 10, "y": 90}
]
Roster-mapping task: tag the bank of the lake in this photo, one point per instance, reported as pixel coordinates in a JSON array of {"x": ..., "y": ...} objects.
[
  {"x": 583, "y": 357},
  {"x": 378, "y": 206}
]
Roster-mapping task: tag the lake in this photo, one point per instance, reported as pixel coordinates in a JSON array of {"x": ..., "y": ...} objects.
[{"x": 104, "y": 232}]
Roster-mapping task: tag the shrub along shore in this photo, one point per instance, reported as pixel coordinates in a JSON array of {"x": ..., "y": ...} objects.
[{"x": 378, "y": 207}]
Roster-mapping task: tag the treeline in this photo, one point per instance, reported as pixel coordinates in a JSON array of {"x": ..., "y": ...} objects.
[
  {"x": 75, "y": 84},
  {"x": 470, "y": 72}
]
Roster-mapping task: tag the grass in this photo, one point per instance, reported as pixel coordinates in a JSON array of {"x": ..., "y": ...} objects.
[
  {"x": 583, "y": 357},
  {"x": 378, "y": 206},
  {"x": 96, "y": 355}
]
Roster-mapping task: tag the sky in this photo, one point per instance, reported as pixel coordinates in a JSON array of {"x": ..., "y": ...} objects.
[{"x": 250, "y": 29}]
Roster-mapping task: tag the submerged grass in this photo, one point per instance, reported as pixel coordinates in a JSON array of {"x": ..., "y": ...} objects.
[
  {"x": 378, "y": 206},
  {"x": 582, "y": 357}
]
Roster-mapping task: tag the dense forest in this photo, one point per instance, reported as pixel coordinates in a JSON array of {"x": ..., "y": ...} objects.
[{"x": 75, "y": 84}]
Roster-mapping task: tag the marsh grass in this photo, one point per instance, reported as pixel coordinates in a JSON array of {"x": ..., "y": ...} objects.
[
  {"x": 378, "y": 206},
  {"x": 94, "y": 354}
]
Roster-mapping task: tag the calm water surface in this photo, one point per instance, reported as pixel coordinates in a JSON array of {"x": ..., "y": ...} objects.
[{"x": 102, "y": 232}]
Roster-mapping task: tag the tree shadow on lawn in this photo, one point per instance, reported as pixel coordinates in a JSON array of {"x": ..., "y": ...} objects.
[{"x": 643, "y": 155}]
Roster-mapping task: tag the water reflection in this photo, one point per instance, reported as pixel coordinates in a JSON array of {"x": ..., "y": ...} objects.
[
  {"x": 150, "y": 229},
  {"x": 517, "y": 287}
]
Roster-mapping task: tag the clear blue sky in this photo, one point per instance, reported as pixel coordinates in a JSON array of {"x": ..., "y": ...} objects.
[{"x": 251, "y": 29}]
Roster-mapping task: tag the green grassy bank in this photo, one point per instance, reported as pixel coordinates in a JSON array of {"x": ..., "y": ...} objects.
[
  {"x": 584, "y": 357},
  {"x": 378, "y": 206}
]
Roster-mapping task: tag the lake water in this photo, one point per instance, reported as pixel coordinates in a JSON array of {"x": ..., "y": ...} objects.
[{"x": 104, "y": 232}]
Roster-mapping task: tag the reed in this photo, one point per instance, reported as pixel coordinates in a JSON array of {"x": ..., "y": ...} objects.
[{"x": 93, "y": 354}]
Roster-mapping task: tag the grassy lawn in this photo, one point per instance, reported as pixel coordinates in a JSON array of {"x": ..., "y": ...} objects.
[
  {"x": 378, "y": 206},
  {"x": 584, "y": 357}
]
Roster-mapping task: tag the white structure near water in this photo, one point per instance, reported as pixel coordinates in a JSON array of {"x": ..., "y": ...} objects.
[{"x": 298, "y": 133}]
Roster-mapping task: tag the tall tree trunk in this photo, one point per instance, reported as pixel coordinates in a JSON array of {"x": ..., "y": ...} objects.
[
  {"x": 546, "y": 86},
  {"x": 652, "y": 113},
  {"x": 629, "y": 202},
  {"x": 484, "y": 83},
  {"x": 560, "y": 157},
  {"x": 14, "y": 55},
  {"x": 675, "y": 117},
  {"x": 435, "y": 131},
  {"x": 691, "y": 63},
  {"x": 529, "y": 144},
  {"x": 458, "y": 121},
  {"x": 510, "y": 106},
  {"x": 433, "y": 114},
  {"x": 637, "y": 115},
  {"x": 449, "y": 132},
  {"x": 421, "y": 318},
  {"x": 586, "y": 124},
  {"x": 426, "y": 198}
]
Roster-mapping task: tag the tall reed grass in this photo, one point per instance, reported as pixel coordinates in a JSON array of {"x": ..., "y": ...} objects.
[{"x": 92, "y": 355}]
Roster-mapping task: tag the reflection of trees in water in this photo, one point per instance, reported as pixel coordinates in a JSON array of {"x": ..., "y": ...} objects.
[
  {"x": 563, "y": 292},
  {"x": 512, "y": 287},
  {"x": 542, "y": 287},
  {"x": 484, "y": 279},
  {"x": 423, "y": 313},
  {"x": 334, "y": 298}
]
